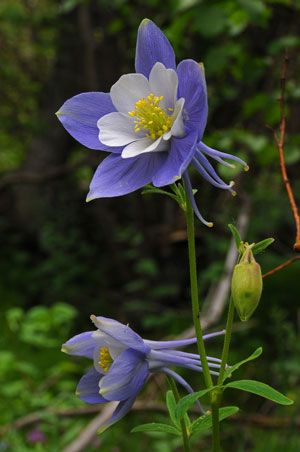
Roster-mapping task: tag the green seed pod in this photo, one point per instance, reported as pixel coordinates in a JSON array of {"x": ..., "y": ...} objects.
[{"x": 246, "y": 285}]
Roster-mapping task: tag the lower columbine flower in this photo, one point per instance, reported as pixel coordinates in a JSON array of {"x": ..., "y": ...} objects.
[
  {"x": 123, "y": 361},
  {"x": 152, "y": 122}
]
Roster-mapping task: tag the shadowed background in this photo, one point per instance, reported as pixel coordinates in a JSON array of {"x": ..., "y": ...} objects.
[{"x": 62, "y": 259}]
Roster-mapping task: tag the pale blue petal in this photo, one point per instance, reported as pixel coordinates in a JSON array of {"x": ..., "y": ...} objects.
[
  {"x": 126, "y": 376},
  {"x": 172, "y": 358},
  {"x": 122, "y": 333},
  {"x": 155, "y": 345},
  {"x": 195, "y": 356},
  {"x": 117, "y": 176},
  {"x": 192, "y": 87},
  {"x": 80, "y": 345},
  {"x": 209, "y": 175},
  {"x": 190, "y": 194},
  {"x": 205, "y": 163},
  {"x": 181, "y": 152},
  {"x": 215, "y": 154},
  {"x": 152, "y": 47},
  {"x": 180, "y": 342},
  {"x": 88, "y": 387},
  {"x": 79, "y": 116}
]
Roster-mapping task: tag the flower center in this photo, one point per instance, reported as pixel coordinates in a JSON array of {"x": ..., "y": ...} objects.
[
  {"x": 149, "y": 116},
  {"x": 105, "y": 360}
]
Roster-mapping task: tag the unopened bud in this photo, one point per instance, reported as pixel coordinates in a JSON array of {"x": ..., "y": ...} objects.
[{"x": 246, "y": 285}]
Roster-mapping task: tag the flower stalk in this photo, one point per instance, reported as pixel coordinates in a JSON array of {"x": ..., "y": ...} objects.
[
  {"x": 216, "y": 398},
  {"x": 197, "y": 323},
  {"x": 216, "y": 425},
  {"x": 227, "y": 339},
  {"x": 194, "y": 292}
]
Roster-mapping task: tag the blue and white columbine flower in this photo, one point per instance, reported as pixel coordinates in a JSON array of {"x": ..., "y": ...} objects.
[
  {"x": 123, "y": 361},
  {"x": 152, "y": 123}
]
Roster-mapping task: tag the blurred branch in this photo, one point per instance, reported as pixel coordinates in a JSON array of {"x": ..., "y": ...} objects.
[
  {"x": 30, "y": 177},
  {"x": 102, "y": 414},
  {"x": 279, "y": 140},
  {"x": 86, "y": 32},
  {"x": 38, "y": 416}
]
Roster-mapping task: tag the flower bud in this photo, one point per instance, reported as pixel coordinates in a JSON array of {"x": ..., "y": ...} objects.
[{"x": 246, "y": 285}]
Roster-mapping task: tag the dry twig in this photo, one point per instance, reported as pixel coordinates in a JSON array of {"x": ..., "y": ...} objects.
[
  {"x": 280, "y": 140},
  {"x": 90, "y": 431},
  {"x": 281, "y": 266}
]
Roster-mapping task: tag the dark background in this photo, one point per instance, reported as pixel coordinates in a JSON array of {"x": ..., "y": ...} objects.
[{"x": 62, "y": 259}]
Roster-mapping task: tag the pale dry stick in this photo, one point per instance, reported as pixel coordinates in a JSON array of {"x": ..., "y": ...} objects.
[
  {"x": 90, "y": 431},
  {"x": 218, "y": 295},
  {"x": 37, "y": 416}
]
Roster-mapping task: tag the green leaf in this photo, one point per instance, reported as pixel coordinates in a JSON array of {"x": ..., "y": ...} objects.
[
  {"x": 261, "y": 246},
  {"x": 236, "y": 235},
  {"x": 204, "y": 423},
  {"x": 186, "y": 402},
  {"x": 261, "y": 389},
  {"x": 171, "y": 404},
  {"x": 156, "y": 427},
  {"x": 231, "y": 369}
]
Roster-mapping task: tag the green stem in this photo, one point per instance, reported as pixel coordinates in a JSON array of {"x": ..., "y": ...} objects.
[
  {"x": 216, "y": 426},
  {"x": 197, "y": 324},
  {"x": 217, "y": 397},
  {"x": 185, "y": 436},
  {"x": 227, "y": 339},
  {"x": 194, "y": 292}
]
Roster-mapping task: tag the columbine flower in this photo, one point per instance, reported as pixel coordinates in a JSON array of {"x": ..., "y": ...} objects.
[
  {"x": 152, "y": 122},
  {"x": 123, "y": 361}
]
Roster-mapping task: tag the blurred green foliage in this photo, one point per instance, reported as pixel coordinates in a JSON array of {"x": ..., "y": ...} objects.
[
  {"x": 127, "y": 258},
  {"x": 27, "y": 35}
]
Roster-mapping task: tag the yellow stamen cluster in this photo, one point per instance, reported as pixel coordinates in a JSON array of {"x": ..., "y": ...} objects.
[
  {"x": 105, "y": 360},
  {"x": 149, "y": 116}
]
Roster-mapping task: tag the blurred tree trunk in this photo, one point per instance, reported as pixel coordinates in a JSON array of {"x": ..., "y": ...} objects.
[{"x": 51, "y": 147}]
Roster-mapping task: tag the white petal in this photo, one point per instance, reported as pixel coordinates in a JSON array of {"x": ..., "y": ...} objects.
[
  {"x": 164, "y": 82},
  {"x": 144, "y": 145},
  {"x": 116, "y": 129},
  {"x": 167, "y": 135},
  {"x": 115, "y": 347},
  {"x": 128, "y": 90},
  {"x": 177, "y": 129}
]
